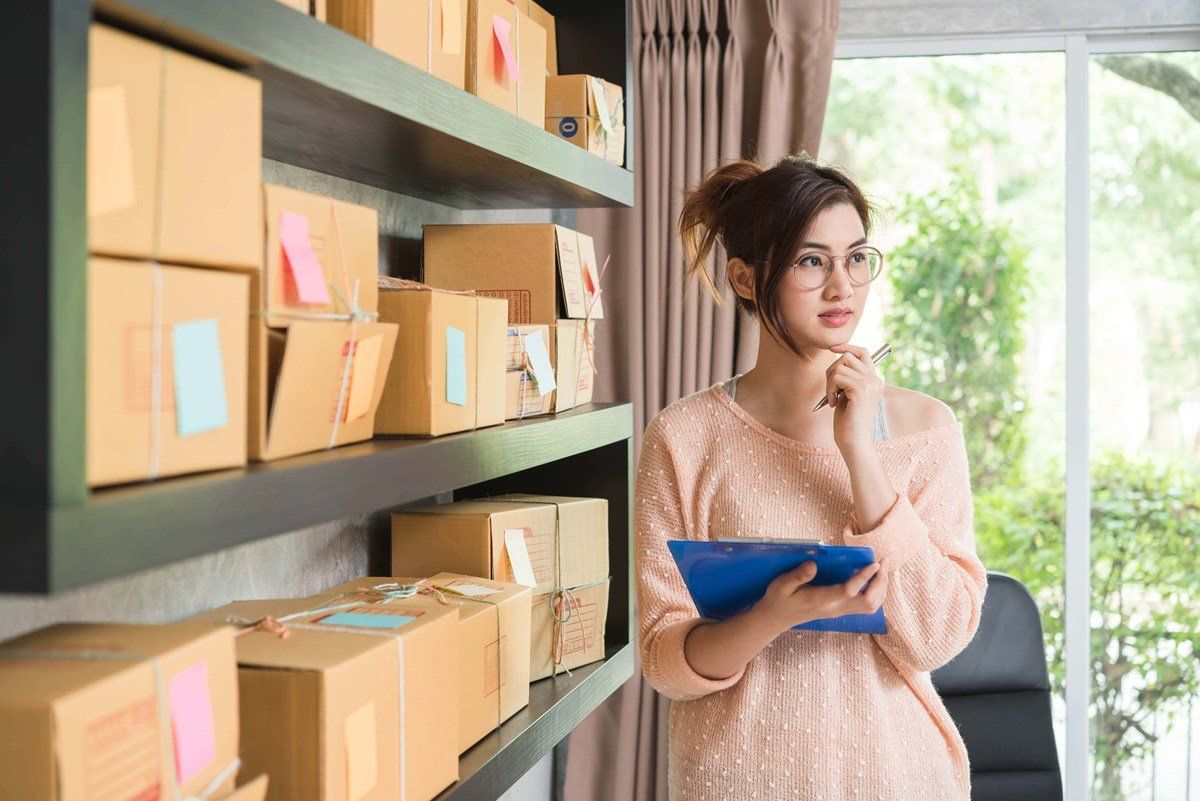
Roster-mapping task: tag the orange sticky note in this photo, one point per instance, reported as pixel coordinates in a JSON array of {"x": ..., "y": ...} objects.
[
  {"x": 298, "y": 253},
  {"x": 502, "y": 28},
  {"x": 109, "y": 152},
  {"x": 362, "y": 769},
  {"x": 452, "y": 31},
  {"x": 362, "y": 376}
]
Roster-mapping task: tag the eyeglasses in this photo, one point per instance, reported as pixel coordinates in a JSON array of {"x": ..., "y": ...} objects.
[{"x": 863, "y": 265}]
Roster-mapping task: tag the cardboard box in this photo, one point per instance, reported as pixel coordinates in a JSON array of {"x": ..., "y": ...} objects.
[
  {"x": 492, "y": 682},
  {"x": 546, "y": 21},
  {"x": 447, "y": 371},
  {"x": 575, "y": 359},
  {"x": 522, "y": 394},
  {"x": 588, "y": 111},
  {"x": 521, "y": 398},
  {"x": 337, "y": 694},
  {"x": 474, "y": 537},
  {"x": 299, "y": 381},
  {"x": 524, "y": 263},
  {"x": 196, "y": 320},
  {"x": 92, "y": 712},
  {"x": 429, "y": 36},
  {"x": 506, "y": 58},
  {"x": 343, "y": 241},
  {"x": 578, "y": 640},
  {"x": 198, "y": 200}
]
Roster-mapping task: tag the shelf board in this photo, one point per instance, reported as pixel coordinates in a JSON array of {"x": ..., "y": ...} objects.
[
  {"x": 556, "y": 706},
  {"x": 334, "y": 104},
  {"x": 125, "y": 529}
]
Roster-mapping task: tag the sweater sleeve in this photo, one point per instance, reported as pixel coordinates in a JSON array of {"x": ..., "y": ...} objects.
[
  {"x": 666, "y": 613},
  {"x": 927, "y": 538}
]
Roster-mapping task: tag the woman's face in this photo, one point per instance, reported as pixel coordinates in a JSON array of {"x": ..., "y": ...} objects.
[{"x": 827, "y": 315}]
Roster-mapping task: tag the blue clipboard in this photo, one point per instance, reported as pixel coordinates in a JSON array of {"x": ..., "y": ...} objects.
[{"x": 726, "y": 577}]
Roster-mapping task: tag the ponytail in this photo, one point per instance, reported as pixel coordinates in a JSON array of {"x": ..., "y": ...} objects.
[{"x": 706, "y": 212}]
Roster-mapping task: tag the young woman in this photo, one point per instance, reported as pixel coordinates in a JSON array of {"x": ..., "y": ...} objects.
[{"x": 760, "y": 710}]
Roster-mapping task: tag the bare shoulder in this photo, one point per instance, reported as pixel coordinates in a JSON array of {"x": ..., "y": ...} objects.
[{"x": 909, "y": 411}]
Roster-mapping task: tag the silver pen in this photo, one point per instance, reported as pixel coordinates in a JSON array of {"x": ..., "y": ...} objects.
[{"x": 876, "y": 358}]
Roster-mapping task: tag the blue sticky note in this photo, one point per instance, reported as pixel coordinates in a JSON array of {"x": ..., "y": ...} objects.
[
  {"x": 199, "y": 377},
  {"x": 362, "y": 621},
  {"x": 456, "y": 366}
]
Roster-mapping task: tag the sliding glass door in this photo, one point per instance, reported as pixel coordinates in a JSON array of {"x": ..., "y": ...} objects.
[
  {"x": 1144, "y": 402},
  {"x": 1042, "y": 199}
]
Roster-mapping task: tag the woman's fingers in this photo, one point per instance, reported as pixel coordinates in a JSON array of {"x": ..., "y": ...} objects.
[
  {"x": 852, "y": 586},
  {"x": 796, "y": 578}
]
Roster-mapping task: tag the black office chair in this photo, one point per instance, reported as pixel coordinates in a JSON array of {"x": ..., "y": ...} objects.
[{"x": 998, "y": 692}]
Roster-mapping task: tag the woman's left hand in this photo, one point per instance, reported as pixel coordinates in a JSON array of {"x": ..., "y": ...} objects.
[{"x": 854, "y": 413}]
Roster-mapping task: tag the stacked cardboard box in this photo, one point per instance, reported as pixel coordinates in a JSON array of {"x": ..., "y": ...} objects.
[
  {"x": 447, "y": 372},
  {"x": 121, "y": 711},
  {"x": 530, "y": 385},
  {"x": 588, "y": 111},
  {"x": 493, "y": 644},
  {"x": 526, "y": 264},
  {"x": 549, "y": 543},
  {"x": 363, "y": 686},
  {"x": 429, "y": 36},
  {"x": 318, "y": 359},
  {"x": 174, "y": 153},
  {"x": 506, "y": 58}
]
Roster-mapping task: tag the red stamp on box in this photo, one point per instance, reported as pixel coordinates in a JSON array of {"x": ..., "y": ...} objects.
[
  {"x": 579, "y": 632},
  {"x": 120, "y": 754},
  {"x": 137, "y": 360},
  {"x": 495, "y": 665}
]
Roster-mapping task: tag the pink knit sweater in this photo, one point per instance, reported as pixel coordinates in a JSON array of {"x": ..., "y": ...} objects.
[{"x": 814, "y": 716}]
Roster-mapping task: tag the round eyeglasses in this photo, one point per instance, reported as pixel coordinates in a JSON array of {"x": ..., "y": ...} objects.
[{"x": 863, "y": 265}]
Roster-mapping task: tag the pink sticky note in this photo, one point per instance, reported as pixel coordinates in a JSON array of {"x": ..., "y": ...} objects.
[
  {"x": 191, "y": 722},
  {"x": 502, "y": 27},
  {"x": 298, "y": 252}
]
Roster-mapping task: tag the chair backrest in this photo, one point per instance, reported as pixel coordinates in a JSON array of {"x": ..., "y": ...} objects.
[{"x": 998, "y": 692}]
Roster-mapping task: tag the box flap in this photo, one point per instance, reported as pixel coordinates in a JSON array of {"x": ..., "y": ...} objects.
[{"x": 310, "y": 382}]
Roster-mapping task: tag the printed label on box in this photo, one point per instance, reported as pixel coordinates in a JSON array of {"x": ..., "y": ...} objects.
[
  {"x": 579, "y": 632},
  {"x": 538, "y": 546},
  {"x": 121, "y": 754},
  {"x": 493, "y": 671}
]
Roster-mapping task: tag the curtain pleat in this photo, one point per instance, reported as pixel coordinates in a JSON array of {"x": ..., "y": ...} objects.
[{"x": 715, "y": 80}]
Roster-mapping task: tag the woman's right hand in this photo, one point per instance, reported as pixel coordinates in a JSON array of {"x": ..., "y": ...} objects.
[{"x": 790, "y": 600}]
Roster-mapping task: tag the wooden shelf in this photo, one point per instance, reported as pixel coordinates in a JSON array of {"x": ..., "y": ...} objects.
[
  {"x": 556, "y": 706},
  {"x": 125, "y": 529},
  {"x": 334, "y": 104}
]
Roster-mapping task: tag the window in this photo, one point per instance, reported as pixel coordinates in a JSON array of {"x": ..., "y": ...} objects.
[{"x": 1000, "y": 228}]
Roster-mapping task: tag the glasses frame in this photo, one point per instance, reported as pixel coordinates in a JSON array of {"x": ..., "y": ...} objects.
[{"x": 833, "y": 263}]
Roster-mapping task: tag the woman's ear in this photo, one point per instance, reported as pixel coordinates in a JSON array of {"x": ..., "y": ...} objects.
[{"x": 741, "y": 275}]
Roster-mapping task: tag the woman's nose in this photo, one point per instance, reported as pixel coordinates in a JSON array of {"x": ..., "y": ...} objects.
[{"x": 839, "y": 286}]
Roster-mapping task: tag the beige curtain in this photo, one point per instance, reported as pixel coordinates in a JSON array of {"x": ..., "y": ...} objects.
[{"x": 715, "y": 80}]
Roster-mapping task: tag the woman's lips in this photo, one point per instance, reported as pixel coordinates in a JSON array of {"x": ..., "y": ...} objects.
[{"x": 836, "y": 320}]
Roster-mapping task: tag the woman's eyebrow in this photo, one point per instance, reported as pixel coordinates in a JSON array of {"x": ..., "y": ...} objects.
[{"x": 862, "y": 241}]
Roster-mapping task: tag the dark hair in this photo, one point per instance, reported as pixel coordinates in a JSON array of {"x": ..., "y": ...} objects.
[{"x": 760, "y": 215}]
